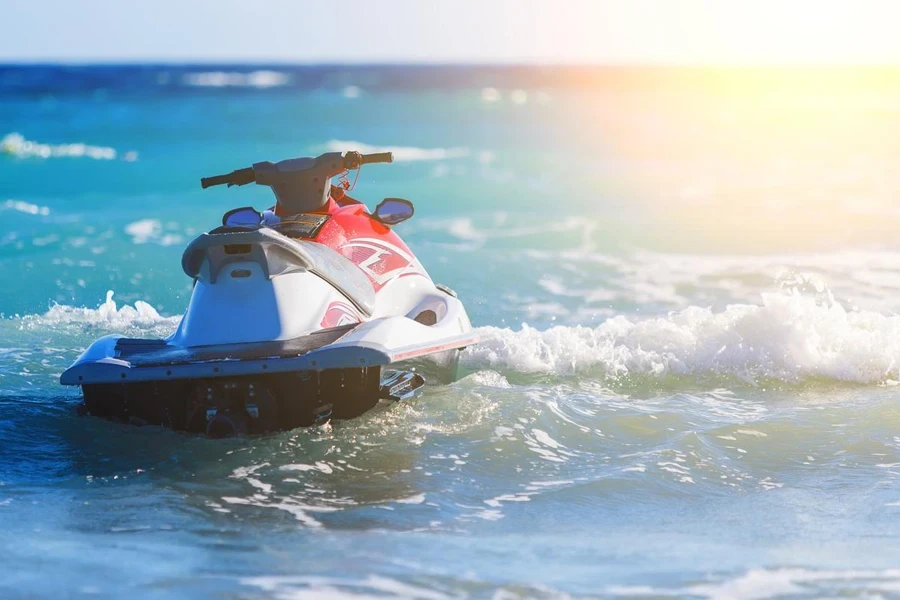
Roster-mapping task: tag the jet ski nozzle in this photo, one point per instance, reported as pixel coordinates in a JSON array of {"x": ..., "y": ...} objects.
[{"x": 226, "y": 424}]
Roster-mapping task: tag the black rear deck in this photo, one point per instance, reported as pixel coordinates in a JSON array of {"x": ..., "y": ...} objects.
[{"x": 157, "y": 353}]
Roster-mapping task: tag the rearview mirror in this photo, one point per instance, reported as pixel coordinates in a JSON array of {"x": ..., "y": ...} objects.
[
  {"x": 246, "y": 216},
  {"x": 394, "y": 210}
]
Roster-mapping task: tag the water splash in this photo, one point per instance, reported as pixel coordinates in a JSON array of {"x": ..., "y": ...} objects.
[
  {"x": 789, "y": 337},
  {"x": 141, "y": 317}
]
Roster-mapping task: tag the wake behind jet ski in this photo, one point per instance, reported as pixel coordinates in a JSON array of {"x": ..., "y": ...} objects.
[{"x": 297, "y": 316}]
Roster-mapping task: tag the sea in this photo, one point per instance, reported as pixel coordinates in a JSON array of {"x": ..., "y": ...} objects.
[{"x": 686, "y": 282}]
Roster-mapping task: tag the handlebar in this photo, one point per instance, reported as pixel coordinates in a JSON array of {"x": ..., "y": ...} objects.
[
  {"x": 238, "y": 177},
  {"x": 206, "y": 182},
  {"x": 354, "y": 160},
  {"x": 351, "y": 160},
  {"x": 378, "y": 157}
]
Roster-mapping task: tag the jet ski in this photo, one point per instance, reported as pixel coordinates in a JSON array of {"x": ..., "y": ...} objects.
[{"x": 306, "y": 312}]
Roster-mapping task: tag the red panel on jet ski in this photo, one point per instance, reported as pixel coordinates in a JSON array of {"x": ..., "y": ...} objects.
[{"x": 371, "y": 245}]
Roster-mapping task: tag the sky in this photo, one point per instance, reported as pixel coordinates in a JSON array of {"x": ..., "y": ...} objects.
[{"x": 453, "y": 31}]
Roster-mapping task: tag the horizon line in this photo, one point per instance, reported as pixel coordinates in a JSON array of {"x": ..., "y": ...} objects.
[{"x": 238, "y": 62}]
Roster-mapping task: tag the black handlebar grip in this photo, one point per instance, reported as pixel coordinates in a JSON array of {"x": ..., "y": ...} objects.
[
  {"x": 238, "y": 177},
  {"x": 378, "y": 157},
  {"x": 243, "y": 176},
  {"x": 206, "y": 182}
]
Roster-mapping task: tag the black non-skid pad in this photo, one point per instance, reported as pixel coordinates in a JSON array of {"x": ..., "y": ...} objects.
[
  {"x": 304, "y": 225},
  {"x": 157, "y": 353}
]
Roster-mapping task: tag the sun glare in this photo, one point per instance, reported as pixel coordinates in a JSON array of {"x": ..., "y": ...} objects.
[{"x": 751, "y": 156}]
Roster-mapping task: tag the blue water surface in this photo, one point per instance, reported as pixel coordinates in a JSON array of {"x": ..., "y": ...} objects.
[{"x": 687, "y": 299}]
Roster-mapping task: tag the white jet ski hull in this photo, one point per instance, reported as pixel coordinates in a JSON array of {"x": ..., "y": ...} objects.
[{"x": 250, "y": 354}]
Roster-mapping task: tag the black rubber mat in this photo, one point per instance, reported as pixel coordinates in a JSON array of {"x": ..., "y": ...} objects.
[{"x": 154, "y": 353}]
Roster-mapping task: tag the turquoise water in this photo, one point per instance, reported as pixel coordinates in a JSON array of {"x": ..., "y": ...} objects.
[{"x": 686, "y": 286}]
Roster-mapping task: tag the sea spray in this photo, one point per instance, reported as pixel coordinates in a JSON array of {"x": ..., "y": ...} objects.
[{"x": 790, "y": 336}]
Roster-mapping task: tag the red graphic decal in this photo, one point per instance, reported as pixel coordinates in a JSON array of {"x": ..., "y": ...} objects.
[
  {"x": 339, "y": 313},
  {"x": 380, "y": 260}
]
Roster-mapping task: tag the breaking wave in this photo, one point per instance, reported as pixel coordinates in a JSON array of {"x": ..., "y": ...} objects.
[
  {"x": 401, "y": 153},
  {"x": 16, "y": 145},
  {"x": 778, "y": 582},
  {"x": 790, "y": 337},
  {"x": 755, "y": 584},
  {"x": 254, "y": 79},
  {"x": 26, "y": 207},
  {"x": 465, "y": 229}
]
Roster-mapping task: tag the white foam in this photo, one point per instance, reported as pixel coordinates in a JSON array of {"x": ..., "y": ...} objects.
[
  {"x": 415, "y": 499},
  {"x": 865, "y": 278},
  {"x": 26, "y": 207},
  {"x": 485, "y": 379},
  {"x": 554, "y": 286},
  {"x": 461, "y": 228},
  {"x": 144, "y": 230},
  {"x": 107, "y": 316},
  {"x": 298, "y": 587},
  {"x": 254, "y": 79},
  {"x": 757, "y": 584},
  {"x": 490, "y": 95},
  {"x": 16, "y": 145},
  {"x": 401, "y": 153},
  {"x": 319, "y": 466},
  {"x": 151, "y": 231},
  {"x": 790, "y": 337},
  {"x": 464, "y": 228}
]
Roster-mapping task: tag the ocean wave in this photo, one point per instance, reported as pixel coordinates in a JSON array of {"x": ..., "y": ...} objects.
[
  {"x": 778, "y": 583},
  {"x": 790, "y": 337},
  {"x": 148, "y": 231},
  {"x": 466, "y": 230},
  {"x": 865, "y": 278},
  {"x": 335, "y": 588},
  {"x": 401, "y": 153},
  {"x": 26, "y": 207},
  {"x": 590, "y": 280},
  {"x": 254, "y": 79},
  {"x": 16, "y": 145}
]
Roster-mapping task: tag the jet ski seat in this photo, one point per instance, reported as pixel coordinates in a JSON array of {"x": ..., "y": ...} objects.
[{"x": 276, "y": 255}]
